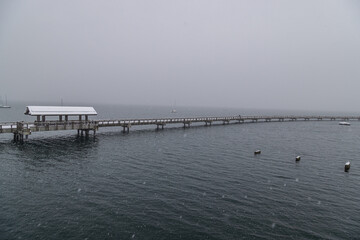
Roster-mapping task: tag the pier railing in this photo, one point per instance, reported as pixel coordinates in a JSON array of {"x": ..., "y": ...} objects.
[
  {"x": 20, "y": 129},
  {"x": 12, "y": 127}
]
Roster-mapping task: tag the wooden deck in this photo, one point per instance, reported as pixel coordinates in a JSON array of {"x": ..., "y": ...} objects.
[{"x": 21, "y": 129}]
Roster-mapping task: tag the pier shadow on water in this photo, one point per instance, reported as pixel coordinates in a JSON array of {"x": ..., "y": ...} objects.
[{"x": 49, "y": 150}]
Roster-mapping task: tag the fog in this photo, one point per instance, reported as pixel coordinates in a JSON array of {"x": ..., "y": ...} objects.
[{"x": 297, "y": 55}]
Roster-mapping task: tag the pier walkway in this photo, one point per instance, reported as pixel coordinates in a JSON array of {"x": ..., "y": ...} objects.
[{"x": 83, "y": 127}]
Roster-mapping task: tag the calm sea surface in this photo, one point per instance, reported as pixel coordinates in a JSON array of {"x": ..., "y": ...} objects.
[{"x": 195, "y": 183}]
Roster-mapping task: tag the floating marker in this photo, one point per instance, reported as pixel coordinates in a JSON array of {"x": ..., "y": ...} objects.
[
  {"x": 298, "y": 158},
  {"x": 347, "y": 166},
  {"x": 257, "y": 152}
]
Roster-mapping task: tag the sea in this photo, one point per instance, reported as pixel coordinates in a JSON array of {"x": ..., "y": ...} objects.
[{"x": 193, "y": 183}]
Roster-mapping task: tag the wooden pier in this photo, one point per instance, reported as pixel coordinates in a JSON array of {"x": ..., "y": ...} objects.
[{"x": 22, "y": 130}]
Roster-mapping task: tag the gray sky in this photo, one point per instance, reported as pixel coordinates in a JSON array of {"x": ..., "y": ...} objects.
[{"x": 275, "y": 54}]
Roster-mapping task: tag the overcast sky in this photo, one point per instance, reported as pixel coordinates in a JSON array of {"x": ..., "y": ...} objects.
[{"x": 274, "y": 54}]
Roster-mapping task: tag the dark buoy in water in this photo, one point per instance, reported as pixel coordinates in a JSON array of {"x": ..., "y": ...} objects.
[
  {"x": 347, "y": 166},
  {"x": 257, "y": 152},
  {"x": 297, "y": 158}
]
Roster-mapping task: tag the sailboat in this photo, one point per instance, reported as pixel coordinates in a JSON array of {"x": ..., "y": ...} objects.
[
  {"x": 4, "y": 106},
  {"x": 173, "y": 110}
]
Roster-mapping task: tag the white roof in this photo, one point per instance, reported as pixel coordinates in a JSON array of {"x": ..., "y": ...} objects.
[{"x": 58, "y": 110}]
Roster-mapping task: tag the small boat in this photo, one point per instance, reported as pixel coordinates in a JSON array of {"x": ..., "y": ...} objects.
[
  {"x": 257, "y": 152},
  {"x": 344, "y": 123},
  {"x": 298, "y": 158}
]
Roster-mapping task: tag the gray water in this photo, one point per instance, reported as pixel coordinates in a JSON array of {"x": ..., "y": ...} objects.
[{"x": 194, "y": 183}]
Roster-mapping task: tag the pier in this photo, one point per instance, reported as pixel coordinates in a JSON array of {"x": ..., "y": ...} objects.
[{"x": 84, "y": 127}]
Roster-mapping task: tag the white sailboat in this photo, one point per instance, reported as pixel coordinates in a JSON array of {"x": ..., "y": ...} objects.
[
  {"x": 2, "y": 104},
  {"x": 173, "y": 110}
]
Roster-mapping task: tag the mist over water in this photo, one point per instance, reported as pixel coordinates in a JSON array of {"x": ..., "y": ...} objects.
[
  {"x": 257, "y": 54},
  {"x": 194, "y": 183}
]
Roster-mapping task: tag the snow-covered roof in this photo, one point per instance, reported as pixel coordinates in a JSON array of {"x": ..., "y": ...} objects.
[{"x": 58, "y": 110}]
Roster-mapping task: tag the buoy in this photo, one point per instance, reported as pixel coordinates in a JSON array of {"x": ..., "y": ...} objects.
[
  {"x": 347, "y": 166},
  {"x": 298, "y": 158},
  {"x": 257, "y": 152}
]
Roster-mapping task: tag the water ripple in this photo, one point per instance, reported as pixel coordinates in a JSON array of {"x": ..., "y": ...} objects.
[{"x": 198, "y": 183}]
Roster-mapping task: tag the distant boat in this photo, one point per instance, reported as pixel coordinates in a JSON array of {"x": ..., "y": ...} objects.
[
  {"x": 2, "y": 104},
  {"x": 344, "y": 123},
  {"x": 173, "y": 110}
]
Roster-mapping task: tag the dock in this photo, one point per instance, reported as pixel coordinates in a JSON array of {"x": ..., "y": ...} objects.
[{"x": 21, "y": 130}]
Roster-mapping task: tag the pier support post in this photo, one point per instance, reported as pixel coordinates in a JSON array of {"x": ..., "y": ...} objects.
[
  {"x": 18, "y": 137},
  {"x": 187, "y": 123},
  {"x": 86, "y": 132},
  {"x": 158, "y": 126},
  {"x": 126, "y": 129}
]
